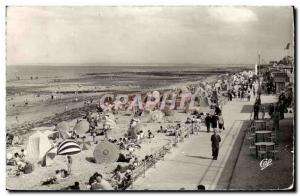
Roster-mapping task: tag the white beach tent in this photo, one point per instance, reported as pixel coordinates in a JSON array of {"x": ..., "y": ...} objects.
[{"x": 38, "y": 145}]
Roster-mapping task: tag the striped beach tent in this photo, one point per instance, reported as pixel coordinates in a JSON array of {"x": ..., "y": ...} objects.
[{"x": 68, "y": 147}]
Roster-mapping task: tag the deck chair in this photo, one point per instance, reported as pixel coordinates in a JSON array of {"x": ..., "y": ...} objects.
[
  {"x": 252, "y": 149},
  {"x": 274, "y": 152},
  {"x": 262, "y": 152}
]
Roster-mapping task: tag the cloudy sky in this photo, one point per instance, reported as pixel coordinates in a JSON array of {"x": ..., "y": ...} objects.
[{"x": 200, "y": 35}]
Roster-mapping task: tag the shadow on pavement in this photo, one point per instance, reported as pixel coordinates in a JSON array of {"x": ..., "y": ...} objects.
[{"x": 199, "y": 157}]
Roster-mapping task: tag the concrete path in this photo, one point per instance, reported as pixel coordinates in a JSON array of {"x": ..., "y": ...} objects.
[{"x": 190, "y": 163}]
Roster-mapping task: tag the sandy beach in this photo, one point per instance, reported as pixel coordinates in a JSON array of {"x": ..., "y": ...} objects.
[{"x": 43, "y": 113}]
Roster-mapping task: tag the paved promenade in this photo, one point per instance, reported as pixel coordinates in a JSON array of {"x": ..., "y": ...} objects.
[{"x": 190, "y": 163}]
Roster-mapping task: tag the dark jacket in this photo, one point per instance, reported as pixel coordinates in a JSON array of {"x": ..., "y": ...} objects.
[
  {"x": 215, "y": 140},
  {"x": 256, "y": 108},
  {"x": 207, "y": 120},
  {"x": 214, "y": 121}
]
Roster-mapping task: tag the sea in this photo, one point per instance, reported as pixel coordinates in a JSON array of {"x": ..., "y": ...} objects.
[{"x": 146, "y": 76}]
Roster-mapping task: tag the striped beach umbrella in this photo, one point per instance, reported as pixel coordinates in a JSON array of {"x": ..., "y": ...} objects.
[{"x": 68, "y": 147}]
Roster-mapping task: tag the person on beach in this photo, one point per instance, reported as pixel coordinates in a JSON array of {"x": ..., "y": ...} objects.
[
  {"x": 150, "y": 134},
  {"x": 218, "y": 111},
  {"x": 221, "y": 122},
  {"x": 263, "y": 112},
  {"x": 69, "y": 165},
  {"x": 207, "y": 122},
  {"x": 229, "y": 95},
  {"x": 214, "y": 122},
  {"x": 201, "y": 187},
  {"x": 271, "y": 110},
  {"x": 57, "y": 175},
  {"x": 249, "y": 96},
  {"x": 74, "y": 187},
  {"x": 99, "y": 183},
  {"x": 276, "y": 119},
  {"x": 215, "y": 140},
  {"x": 22, "y": 155},
  {"x": 256, "y": 111}
]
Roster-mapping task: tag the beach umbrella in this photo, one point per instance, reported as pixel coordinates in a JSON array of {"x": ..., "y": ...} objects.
[
  {"x": 68, "y": 147},
  {"x": 95, "y": 115},
  {"x": 109, "y": 116},
  {"x": 106, "y": 152},
  {"x": 63, "y": 128},
  {"x": 82, "y": 127},
  {"x": 156, "y": 94},
  {"x": 110, "y": 123},
  {"x": 156, "y": 116}
]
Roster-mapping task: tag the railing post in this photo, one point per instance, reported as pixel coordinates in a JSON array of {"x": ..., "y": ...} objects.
[
  {"x": 144, "y": 168},
  {"x": 164, "y": 152},
  {"x": 132, "y": 179}
]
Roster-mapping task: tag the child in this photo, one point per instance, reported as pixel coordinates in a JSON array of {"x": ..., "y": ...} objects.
[
  {"x": 150, "y": 134},
  {"x": 22, "y": 155}
]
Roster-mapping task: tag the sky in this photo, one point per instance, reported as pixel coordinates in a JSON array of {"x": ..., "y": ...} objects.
[{"x": 149, "y": 35}]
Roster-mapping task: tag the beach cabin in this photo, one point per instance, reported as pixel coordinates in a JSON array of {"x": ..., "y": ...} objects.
[{"x": 280, "y": 80}]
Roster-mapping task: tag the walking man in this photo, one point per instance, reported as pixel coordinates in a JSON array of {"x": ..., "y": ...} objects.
[
  {"x": 263, "y": 112},
  {"x": 271, "y": 110},
  {"x": 214, "y": 122},
  {"x": 256, "y": 111},
  {"x": 207, "y": 122},
  {"x": 215, "y": 140}
]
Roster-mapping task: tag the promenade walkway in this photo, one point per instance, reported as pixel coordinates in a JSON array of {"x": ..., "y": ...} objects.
[{"x": 190, "y": 163}]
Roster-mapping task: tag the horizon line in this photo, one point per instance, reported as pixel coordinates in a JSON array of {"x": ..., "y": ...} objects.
[{"x": 131, "y": 64}]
